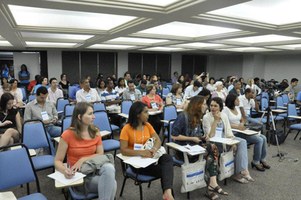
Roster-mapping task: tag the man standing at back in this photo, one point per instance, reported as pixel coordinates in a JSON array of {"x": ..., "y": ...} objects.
[{"x": 43, "y": 110}]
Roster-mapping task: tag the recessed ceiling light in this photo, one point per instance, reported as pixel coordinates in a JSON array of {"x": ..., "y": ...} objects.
[
  {"x": 55, "y": 36},
  {"x": 247, "y": 49},
  {"x": 5, "y": 43},
  {"x": 50, "y": 44},
  {"x": 162, "y": 3},
  {"x": 44, "y": 17},
  {"x": 164, "y": 49},
  {"x": 110, "y": 46},
  {"x": 263, "y": 38},
  {"x": 187, "y": 30},
  {"x": 200, "y": 45},
  {"x": 276, "y": 12},
  {"x": 136, "y": 41}
]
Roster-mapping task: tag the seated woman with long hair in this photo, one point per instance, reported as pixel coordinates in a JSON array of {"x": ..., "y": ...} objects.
[
  {"x": 187, "y": 129},
  {"x": 134, "y": 135},
  {"x": 237, "y": 121},
  {"x": 82, "y": 142},
  {"x": 10, "y": 121},
  {"x": 216, "y": 121}
]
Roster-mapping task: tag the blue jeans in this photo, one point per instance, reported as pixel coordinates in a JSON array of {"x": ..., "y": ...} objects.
[
  {"x": 260, "y": 148},
  {"x": 104, "y": 184},
  {"x": 241, "y": 157},
  {"x": 54, "y": 131}
]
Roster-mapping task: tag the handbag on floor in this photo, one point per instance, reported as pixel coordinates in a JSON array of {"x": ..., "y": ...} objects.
[
  {"x": 226, "y": 165},
  {"x": 193, "y": 174}
]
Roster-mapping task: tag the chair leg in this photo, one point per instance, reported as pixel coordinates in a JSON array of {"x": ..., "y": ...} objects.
[
  {"x": 123, "y": 184},
  {"x": 188, "y": 195},
  {"x": 27, "y": 187},
  {"x": 289, "y": 130},
  {"x": 296, "y": 135},
  {"x": 140, "y": 190},
  {"x": 149, "y": 183}
]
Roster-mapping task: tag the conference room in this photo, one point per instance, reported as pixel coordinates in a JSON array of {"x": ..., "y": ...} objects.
[{"x": 123, "y": 52}]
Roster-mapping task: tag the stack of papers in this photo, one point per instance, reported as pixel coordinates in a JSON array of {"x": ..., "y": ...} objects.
[
  {"x": 139, "y": 162},
  {"x": 58, "y": 176}
]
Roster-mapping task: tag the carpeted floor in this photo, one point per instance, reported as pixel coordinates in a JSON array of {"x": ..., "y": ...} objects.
[{"x": 282, "y": 181}]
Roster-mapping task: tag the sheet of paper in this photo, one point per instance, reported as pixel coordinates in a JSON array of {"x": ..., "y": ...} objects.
[
  {"x": 224, "y": 140},
  {"x": 58, "y": 176},
  {"x": 140, "y": 162},
  {"x": 246, "y": 132},
  {"x": 195, "y": 148}
]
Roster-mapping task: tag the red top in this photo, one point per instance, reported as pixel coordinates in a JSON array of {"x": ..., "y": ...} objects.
[
  {"x": 78, "y": 148},
  {"x": 157, "y": 99}
]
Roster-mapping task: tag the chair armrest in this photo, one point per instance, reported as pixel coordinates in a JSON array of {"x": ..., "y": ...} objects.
[
  {"x": 7, "y": 195},
  {"x": 164, "y": 121},
  {"x": 294, "y": 117}
]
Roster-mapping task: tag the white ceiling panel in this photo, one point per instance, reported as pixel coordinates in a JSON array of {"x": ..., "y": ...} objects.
[
  {"x": 183, "y": 29},
  {"x": 276, "y": 12},
  {"x": 42, "y": 17},
  {"x": 161, "y": 3},
  {"x": 4, "y": 43},
  {"x": 136, "y": 41},
  {"x": 170, "y": 49},
  {"x": 263, "y": 39},
  {"x": 247, "y": 49}
]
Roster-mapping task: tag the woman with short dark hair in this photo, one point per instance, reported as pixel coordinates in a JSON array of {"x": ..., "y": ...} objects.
[{"x": 215, "y": 122}]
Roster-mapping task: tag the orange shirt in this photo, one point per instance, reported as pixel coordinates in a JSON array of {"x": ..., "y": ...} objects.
[
  {"x": 128, "y": 133},
  {"x": 78, "y": 148}
]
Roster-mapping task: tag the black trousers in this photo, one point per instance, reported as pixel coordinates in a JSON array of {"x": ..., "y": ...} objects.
[
  {"x": 163, "y": 170},
  {"x": 155, "y": 121}
]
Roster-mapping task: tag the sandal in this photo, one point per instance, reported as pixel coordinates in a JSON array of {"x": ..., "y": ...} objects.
[
  {"x": 248, "y": 178},
  {"x": 217, "y": 189},
  {"x": 211, "y": 195},
  {"x": 241, "y": 180}
]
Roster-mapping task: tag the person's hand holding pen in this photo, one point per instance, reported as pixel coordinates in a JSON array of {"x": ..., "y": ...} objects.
[{"x": 68, "y": 173}]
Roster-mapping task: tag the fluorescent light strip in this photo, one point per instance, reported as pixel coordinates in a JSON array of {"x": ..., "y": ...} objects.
[
  {"x": 50, "y": 44},
  {"x": 276, "y": 12},
  {"x": 263, "y": 39},
  {"x": 110, "y": 46},
  {"x": 136, "y": 40},
  {"x": 247, "y": 49},
  {"x": 161, "y": 3},
  {"x": 42, "y": 17},
  {"x": 183, "y": 29},
  {"x": 200, "y": 45},
  {"x": 5, "y": 44},
  {"x": 164, "y": 49},
  {"x": 287, "y": 47},
  {"x": 55, "y": 36}
]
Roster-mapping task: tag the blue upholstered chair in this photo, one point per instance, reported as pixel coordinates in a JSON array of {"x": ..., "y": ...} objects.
[{"x": 16, "y": 168}]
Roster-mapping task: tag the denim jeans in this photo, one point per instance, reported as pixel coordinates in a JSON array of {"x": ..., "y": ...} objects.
[
  {"x": 260, "y": 146},
  {"x": 54, "y": 131},
  {"x": 104, "y": 184},
  {"x": 241, "y": 157}
]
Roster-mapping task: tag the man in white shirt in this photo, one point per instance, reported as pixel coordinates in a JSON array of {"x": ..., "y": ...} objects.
[
  {"x": 246, "y": 103},
  {"x": 54, "y": 92},
  {"x": 193, "y": 90},
  {"x": 86, "y": 94}
]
